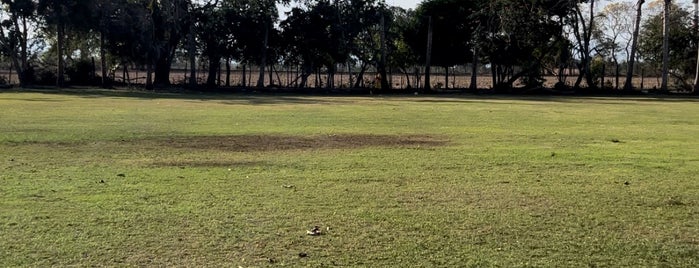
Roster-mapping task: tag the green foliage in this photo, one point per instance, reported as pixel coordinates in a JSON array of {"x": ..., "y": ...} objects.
[
  {"x": 81, "y": 72},
  {"x": 325, "y": 33},
  {"x": 15, "y": 22},
  {"x": 122, "y": 178},
  {"x": 682, "y": 46},
  {"x": 453, "y": 30},
  {"x": 245, "y": 23},
  {"x": 523, "y": 35}
]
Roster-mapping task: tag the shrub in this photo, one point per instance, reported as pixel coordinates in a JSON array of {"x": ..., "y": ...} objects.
[{"x": 81, "y": 73}]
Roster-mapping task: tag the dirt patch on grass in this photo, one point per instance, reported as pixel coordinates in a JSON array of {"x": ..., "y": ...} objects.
[{"x": 264, "y": 143}]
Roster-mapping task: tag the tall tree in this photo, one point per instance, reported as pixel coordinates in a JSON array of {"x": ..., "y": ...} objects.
[
  {"x": 583, "y": 28},
  {"x": 65, "y": 18},
  {"x": 615, "y": 32},
  {"x": 666, "y": 44},
  {"x": 451, "y": 31},
  {"x": 169, "y": 25},
  {"x": 680, "y": 48},
  {"x": 324, "y": 33},
  {"x": 14, "y": 35},
  {"x": 696, "y": 31},
  {"x": 213, "y": 29},
  {"x": 102, "y": 12},
  {"x": 515, "y": 54},
  {"x": 55, "y": 12},
  {"x": 628, "y": 85}
]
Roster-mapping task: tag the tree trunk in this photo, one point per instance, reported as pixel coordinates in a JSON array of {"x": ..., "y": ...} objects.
[
  {"x": 214, "y": 63},
  {"x": 60, "y": 39},
  {"x": 244, "y": 82},
  {"x": 360, "y": 76},
  {"x": 149, "y": 73},
  {"x": 666, "y": 44},
  {"x": 385, "y": 86},
  {"x": 24, "y": 54},
  {"x": 162, "y": 72},
  {"x": 494, "y": 75},
  {"x": 584, "y": 41},
  {"x": 588, "y": 38},
  {"x": 123, "y": 72},
  {"x": 228, "y": 72},
  {"x": 616, "y": 76},
  {"x": 604, "y": 71},
  {"x": 696, "y": 29},
  {"x": 250, "y": 77},
  {"x": 271, "y": 73},
  {"x": 428, "y": 56},
  {"x": 474, "y": 69},
  {"x": 192, "y": 51},
  {"x": 331, "y": 76},
  {"x": 103, "y": 61},
  {"x": 219, "y": 73},
  {"x": 263, "y": 58},
  {"x": 628, "y": 84}
]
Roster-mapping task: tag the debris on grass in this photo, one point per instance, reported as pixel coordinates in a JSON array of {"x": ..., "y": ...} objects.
[
  {"x": 315, "y": 231},
  {"x": 303, "y": 254}
]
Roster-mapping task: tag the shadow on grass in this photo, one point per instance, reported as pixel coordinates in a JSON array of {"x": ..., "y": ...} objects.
[
  {"x": 226, "y": 97},
  {"x": 510, "y": 99},
  {"x": 238, "y": 96}
]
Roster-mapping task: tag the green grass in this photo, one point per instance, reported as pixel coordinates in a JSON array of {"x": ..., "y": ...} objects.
[{"x": 131, "y": 179}]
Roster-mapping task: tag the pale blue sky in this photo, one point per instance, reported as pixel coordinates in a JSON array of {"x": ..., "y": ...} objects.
[
  {"x": 404, "y": 3},
  {"x": 413, "y": 3}
]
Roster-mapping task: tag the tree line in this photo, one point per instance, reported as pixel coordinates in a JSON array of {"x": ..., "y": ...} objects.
[{"x": 517, "y": 42}]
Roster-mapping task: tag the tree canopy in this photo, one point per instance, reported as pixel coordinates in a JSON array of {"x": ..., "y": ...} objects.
[{"x": 515, "y": 42}]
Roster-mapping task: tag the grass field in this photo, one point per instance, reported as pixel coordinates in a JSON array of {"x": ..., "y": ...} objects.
[{"x": 135, "y": 179}]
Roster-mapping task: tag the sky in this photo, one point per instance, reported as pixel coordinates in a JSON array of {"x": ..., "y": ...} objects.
[
  {"x": 413, "y": 3},
  {"x": 404, "y": 3}
]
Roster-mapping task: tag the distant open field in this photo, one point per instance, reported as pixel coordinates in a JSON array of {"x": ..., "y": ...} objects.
[
  {"x": 119, "y": 178},
  {"x": 399, "y": 81}
]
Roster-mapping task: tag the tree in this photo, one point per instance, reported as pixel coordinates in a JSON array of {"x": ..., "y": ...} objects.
[
  {"x": 696, "y": 31},
  {"x": 451, "y": 31},
  {"x": 325, "y": 34},
  {"x": 65, "y": 16},
  {"x": 401, "y": 57},
  {"x": 212, "y": 27},
  {"x": 102, "y": 11},
  {"x": 14, "y": 35},
  {"x": 253, "y": 31},
  {"x": 583, "y": 28},
  {"x": 615, "y": 32},
  {"x": 666, "y": 44},
  {"x": 680, "y": 40},
  {"x": 170, "y": 28},
  {"x": 628, "y": 85},
  {"x": 516, "y": 54}
]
